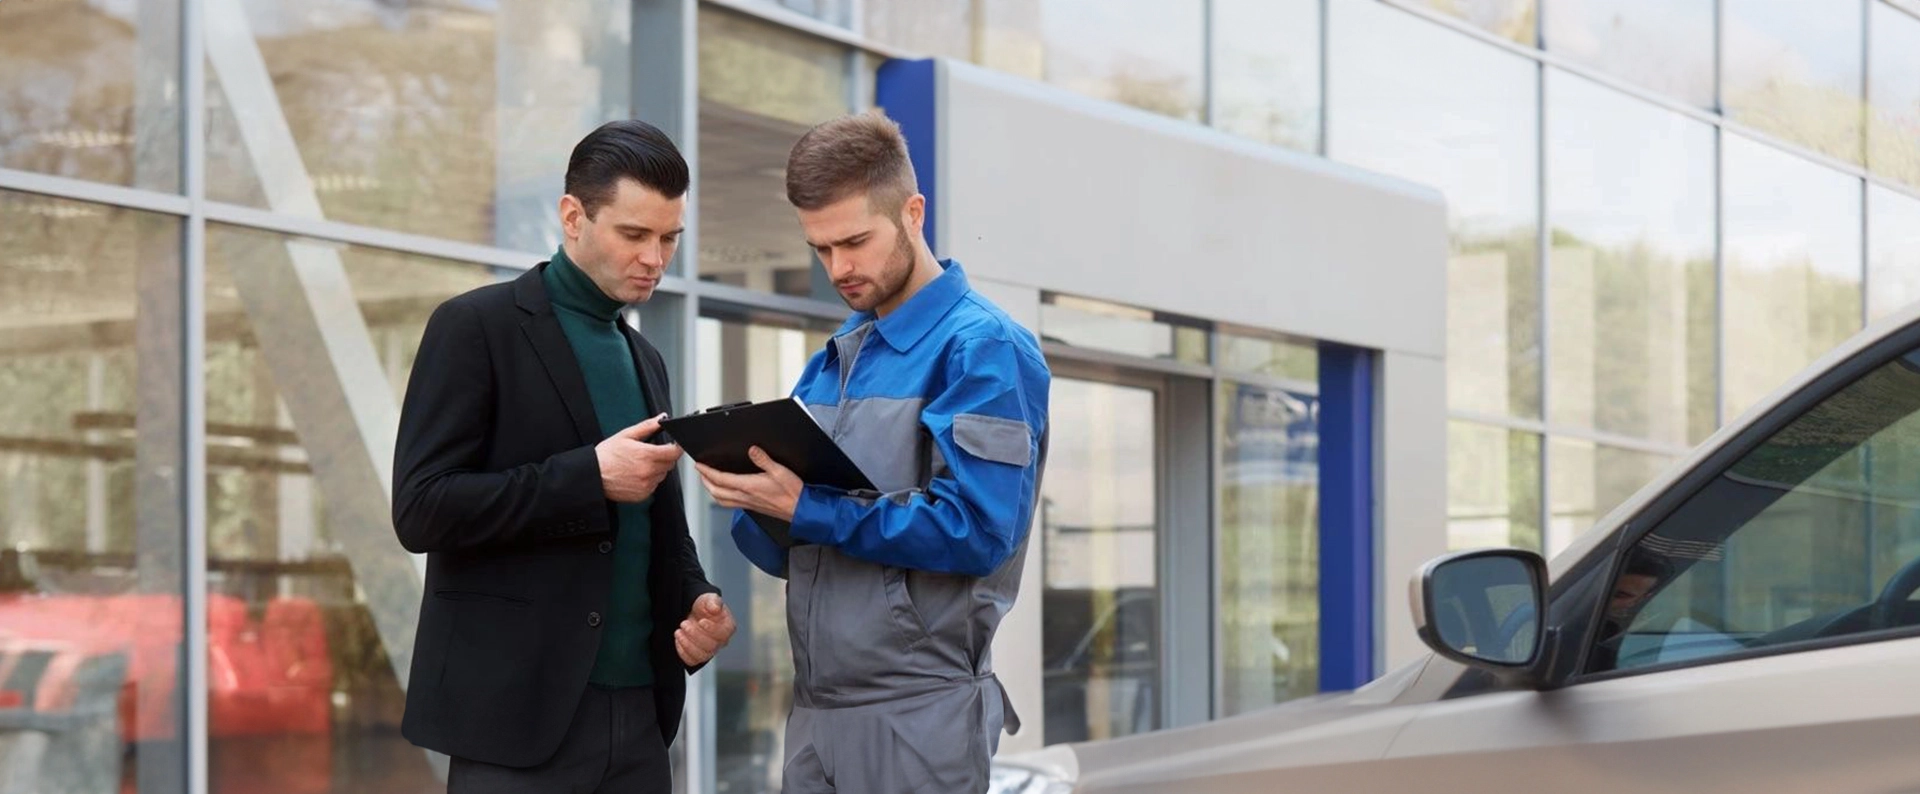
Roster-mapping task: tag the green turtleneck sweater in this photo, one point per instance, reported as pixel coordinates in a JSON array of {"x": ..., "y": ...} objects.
[{"x": 590, "y": 320}]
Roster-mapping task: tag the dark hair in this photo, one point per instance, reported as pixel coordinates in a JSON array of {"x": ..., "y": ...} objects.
[
  {"x": 864, "y": 152},
  {"x": 628, "y": 149}
]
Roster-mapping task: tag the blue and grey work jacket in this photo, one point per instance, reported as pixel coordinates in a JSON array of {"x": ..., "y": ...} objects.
[{"x": 943, "y": 403}]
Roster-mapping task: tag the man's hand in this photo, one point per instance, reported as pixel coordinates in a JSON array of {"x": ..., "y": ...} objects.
[
  {"x": 630, "y": 468},
  {"x": 774, "y": 492},
  {"x": 705, "y": 631}
]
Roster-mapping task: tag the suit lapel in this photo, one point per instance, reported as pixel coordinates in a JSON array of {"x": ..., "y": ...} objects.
[
  {"x": 556, "y": 355},
  {"x": 652, "y": 379}
]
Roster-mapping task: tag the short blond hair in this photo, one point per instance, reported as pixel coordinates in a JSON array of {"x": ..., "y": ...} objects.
[{"x": 859, "y": 153}]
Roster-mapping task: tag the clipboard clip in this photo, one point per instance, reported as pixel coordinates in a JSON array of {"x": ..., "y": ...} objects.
[{"x": 723, "y": 408}]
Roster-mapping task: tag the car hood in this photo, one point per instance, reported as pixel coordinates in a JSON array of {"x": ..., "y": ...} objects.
[{"x": 1311, "y": 731}]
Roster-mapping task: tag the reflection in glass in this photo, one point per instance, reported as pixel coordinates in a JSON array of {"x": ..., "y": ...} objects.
[
  {"x": 830, "y": 11},
  {"x": 761, "y": 87},
  {"x": 92, "y": 91},
  {"x": 1146, "y": 53},
  {"x": 1100, "y": 604},
  {"x": 1588, "y": 480},
  {"x": 1099, "y": 325},
  {"x": 453, "y": 120},
  {"x": 1267, "y": 354},
  {"x": 1893, "y": 251},
  {"x": 1493, "y": 487},
  {"x": 1508, "y": 19},
  {"x": 1428, "y": 104},
  {"x": 1793, "y": 267},
  {"x": 935, "y": 28},
  {"x": 744, "y": 357},
  {"x": 1266, "y": 70},
  {"x": 1631, "y": 274},
  {"x": 1893, "y": 94},
  {"x": 1664, "y": 45},
  {"x": 1269, "y": 558},
  {"x": 1484, "y": 607},
  {"x": 90, "y": 517},
  {"x": 303, "y": 696},
  {"x": 1803, "y": 539},
  {"x": 1793, "y": 69}
]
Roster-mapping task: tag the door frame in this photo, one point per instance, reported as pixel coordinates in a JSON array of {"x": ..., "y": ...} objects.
[{"x": 1183, "y": 497}]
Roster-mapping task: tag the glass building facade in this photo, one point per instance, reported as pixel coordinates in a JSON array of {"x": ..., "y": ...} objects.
[{"x": 223, "y": 224}]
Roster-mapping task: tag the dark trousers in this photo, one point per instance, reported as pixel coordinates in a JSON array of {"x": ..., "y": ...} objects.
[{"x": 612, "y": 747}]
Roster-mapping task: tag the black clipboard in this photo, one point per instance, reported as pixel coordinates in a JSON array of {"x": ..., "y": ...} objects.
[{"x": 720, "y": 437}]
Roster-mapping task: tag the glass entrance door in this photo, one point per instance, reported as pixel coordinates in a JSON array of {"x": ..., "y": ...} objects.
[{"x": 1100, "y": 522}]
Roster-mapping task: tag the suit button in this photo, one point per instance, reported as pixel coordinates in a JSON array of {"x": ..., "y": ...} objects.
[
  {"x": 606, "y": 546},
  {"x": 593, "y": 618}
]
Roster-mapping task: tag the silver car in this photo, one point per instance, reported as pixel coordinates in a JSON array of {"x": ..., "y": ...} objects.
[{"x": 1745, "y": 623}]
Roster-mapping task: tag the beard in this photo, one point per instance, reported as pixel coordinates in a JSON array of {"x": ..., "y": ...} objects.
[{"x": 892, "y": 280}]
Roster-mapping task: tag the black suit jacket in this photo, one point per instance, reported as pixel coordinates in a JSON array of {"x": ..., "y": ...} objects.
[{"x": 496, "y": 480}]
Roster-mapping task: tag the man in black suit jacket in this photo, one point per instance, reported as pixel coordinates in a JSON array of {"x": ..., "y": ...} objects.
[{"x": 556, "y": 541}]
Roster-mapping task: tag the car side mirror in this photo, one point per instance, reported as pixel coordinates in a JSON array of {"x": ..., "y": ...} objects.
[{"x": 1483, "y": 608}]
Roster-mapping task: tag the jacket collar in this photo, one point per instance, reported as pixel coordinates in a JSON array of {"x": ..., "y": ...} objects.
[
  {"x": 907, "y": 325},
  {"x": 530, "y": 291}
]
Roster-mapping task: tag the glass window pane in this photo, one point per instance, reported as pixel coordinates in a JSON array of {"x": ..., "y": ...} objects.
[
  {"x": 1893, "y": 92},
  {"x": 303, "y": 695},
  {"x": 450, "y": 120},
  {"x": 1099, "y": 325},
  {"x": 1146, "y": 53},
  {"x": 761, "y": 87},
  {"x": 936, "y": 28},
  {"x": 1793, "y": 266},
  {"x": 831, "y": 11},
  {"x": 90, "y": 512},
  {"x": 1252, "y": 351},
  {"x": 1493, "y": 487},
  {"x": 749, "y": 356},
  {"x": 1893, "y": 253},
  {"x": 1589, "y": 480},
  {"x": 1464, "y": 119},
  {"x": 1100, "y": 604},
  {"x": 1665, "y": 45},
  {"x": 1631, "y": 276},
  {"x": 92, "y": 91},
  {"x": 1508, "y": 19},
  {"x": 1269, "y": 558},
  {"x": 1266, "y": 70},
  {"x": 1793, "y": 68},
  {"x": 1799, "y": 541}
]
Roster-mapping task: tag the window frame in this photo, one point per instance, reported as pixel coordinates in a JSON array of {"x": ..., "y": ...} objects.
[
  {"x": 1167, "y": 607},
  {"x": 1613, "y": 553}
]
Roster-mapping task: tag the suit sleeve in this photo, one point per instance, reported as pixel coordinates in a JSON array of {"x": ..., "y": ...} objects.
[
  {"x": 987, "y": 427},
  {"x": 443, "y": 500}
]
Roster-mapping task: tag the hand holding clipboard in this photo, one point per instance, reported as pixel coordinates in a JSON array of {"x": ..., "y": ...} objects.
[{"x": 721, "y": 437}]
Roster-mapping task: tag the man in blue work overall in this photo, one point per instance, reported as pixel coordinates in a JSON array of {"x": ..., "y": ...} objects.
[{"x": 893, "y": 596}]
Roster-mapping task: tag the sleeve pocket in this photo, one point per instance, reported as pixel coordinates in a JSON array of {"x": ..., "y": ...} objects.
[{"x": 993, "y": 438}]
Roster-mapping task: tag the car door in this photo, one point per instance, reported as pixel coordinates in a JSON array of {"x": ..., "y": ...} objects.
[{"x": 1756, "y": 630}]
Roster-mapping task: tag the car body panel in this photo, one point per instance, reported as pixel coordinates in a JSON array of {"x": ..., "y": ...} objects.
[{"x": 1835, "y": 718}]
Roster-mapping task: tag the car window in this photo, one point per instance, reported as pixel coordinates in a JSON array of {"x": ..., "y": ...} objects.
[{"x": 1813, "y": 535}]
